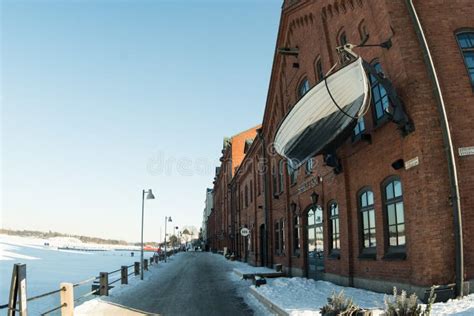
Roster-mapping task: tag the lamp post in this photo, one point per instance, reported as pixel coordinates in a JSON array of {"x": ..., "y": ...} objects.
[
  {"x": 174, "y": 234},
  {"x": 167, "y": 219},
  {"x": 149, "y": 196}
]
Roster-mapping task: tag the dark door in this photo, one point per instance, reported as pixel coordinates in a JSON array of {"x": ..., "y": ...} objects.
[
  {"x": 315, "y": 242},
  {"x": 262, "y": 254}
]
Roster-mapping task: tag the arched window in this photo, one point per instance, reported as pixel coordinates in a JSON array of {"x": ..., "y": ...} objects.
[
  {"x": 363, "y": 32},
  {"x": 281, "y": 175},
  {"x": 335, "y": 241},
  {"x": 259, "y": 176},
  {"x": 395, "y": 215},
  {"x": 379, "y": 95},
  {"x": 303, "y": 88},
  {"x": 367, "y": 219},
  {"x": 274, "y": 182},
  {"x": 279, "y": 237},
  {"x": 309, "y": 165},
  {"x": 296, "y": 235},
  {"x": 319, "y": 70},
  {"x": 466, "y": 44},
  {"x": 293, "y": 174},
  {"x": 342, "y": 39}
]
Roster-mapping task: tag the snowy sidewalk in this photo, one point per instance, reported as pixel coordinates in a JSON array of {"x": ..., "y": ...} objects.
[
  {"x": 305, "y": 297},
  {"x": 246, "y": 271},
  {"x": 102, "y": 308}
]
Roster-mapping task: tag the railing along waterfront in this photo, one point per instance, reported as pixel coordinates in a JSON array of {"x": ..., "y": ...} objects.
[{"x": 18, "y": 300}]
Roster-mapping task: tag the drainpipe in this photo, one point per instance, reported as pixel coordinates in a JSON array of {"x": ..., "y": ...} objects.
[
  {"x": 448, "y": 146},
  {"x": 265, "y": 195}
]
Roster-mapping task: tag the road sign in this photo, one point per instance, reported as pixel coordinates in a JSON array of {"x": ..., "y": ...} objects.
[{"x": 245, "y": 232}]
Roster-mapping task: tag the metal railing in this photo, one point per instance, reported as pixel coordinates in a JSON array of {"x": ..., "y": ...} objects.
[{"x": 100, "y": 286}]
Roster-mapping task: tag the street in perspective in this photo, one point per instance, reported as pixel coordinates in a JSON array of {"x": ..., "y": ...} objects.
[{"x": 291, "y": 157}]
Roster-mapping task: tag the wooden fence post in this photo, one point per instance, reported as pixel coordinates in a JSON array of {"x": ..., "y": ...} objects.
[
  {"x": 136, "y": 268},
  {"x": 145, "y": 264},
  {"x": 18, "y": 290},
  {"x": 124, "y": 274},
  {"x": 104, "y": 284},
  {"x": 67, "y": 299}
]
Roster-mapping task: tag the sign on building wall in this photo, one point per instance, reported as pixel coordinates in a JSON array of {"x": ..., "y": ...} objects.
[
  {"x": 466, "y": 151},
  {"x": 245, "y": 232},
  {"x": 412, "y": 163}
]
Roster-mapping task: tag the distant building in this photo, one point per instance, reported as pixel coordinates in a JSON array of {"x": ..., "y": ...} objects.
[
  {"x": 222, "y": 219},
  {"x": 389, "y": 216},
  {"x": 207, "y": 211}
]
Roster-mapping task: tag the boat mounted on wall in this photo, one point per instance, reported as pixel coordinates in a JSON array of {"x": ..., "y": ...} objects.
[{"x": 326, "y": 115}]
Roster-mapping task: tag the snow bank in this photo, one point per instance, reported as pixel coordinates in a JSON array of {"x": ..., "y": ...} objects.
[
  {"x": 305, "y": 297},
  {"x": 301, "y": 296},
  {"x": 463, "y": 307}
]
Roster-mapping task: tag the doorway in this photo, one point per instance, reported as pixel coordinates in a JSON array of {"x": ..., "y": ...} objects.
[
  {"x": 261, "y": 244},
  {"x": 315, "y": 243}
]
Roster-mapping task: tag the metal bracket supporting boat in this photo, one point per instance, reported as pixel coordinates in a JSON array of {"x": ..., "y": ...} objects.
[{"x": 396, "y": 110}]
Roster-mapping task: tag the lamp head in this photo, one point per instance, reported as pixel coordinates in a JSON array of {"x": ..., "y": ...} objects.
[
  {"x": 150, "y": 195},
  {"x": 169, "y": 219}
]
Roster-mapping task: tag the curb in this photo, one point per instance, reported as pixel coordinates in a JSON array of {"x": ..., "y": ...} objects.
[{"x": 267, "y": 303}]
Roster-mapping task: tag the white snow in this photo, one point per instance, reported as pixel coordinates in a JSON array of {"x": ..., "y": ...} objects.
[
  {"x": 462, "y": 307},
  {"x": 301, "y": 296},
  {"x": 7, "y": 252},
  {"x": 305, "y": 297},
  {"x": 47, "y": 267}
]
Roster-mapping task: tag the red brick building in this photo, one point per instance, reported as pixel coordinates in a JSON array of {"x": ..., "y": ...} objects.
[
  {"x": 222, "y": 219},
  {"x": 391, "y": 217}
]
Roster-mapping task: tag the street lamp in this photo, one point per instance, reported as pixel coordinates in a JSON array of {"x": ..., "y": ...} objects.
[
  {"x": 167, "y": 219},
  {"x": 149, "y": 196},
  {"x": 174, "y": 234}
]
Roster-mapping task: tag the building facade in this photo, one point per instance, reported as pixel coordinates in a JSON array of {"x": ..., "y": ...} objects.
[{"x": 399, "y": 208}]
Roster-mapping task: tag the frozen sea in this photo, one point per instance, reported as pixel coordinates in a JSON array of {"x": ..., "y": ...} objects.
[{"x": 47, "y": 267}]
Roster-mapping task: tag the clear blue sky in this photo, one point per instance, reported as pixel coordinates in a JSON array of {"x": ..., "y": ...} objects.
[{"x": 101, "y": 99}]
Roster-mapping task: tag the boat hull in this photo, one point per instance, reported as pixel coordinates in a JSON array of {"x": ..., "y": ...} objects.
[{"x": 325, "y": 117}]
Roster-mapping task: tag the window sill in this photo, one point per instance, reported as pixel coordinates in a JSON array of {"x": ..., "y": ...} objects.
[
  {"x": 356, "y": 138},
  {"x": 381, "y": 122},
  {"x": 398, "y": 254},
  {"x": 368, "y": 255},
  {"x": 335, "y": 255}
]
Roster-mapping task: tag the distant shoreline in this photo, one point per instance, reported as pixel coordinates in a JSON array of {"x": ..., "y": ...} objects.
[{"x": 84, "y": 239}]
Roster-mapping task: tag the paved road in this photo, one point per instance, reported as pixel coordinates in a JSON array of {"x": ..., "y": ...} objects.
[{"x": 192, "y": 283}]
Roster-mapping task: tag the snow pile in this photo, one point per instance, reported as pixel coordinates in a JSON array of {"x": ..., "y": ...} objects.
[
  {"x": 305, "y": 297},
  {"x": 463, "y": 307},
  {"x": 300, "y": 296}
]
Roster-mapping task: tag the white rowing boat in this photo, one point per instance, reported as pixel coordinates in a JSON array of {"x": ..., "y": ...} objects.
[{"x": 325, "y": 116}]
